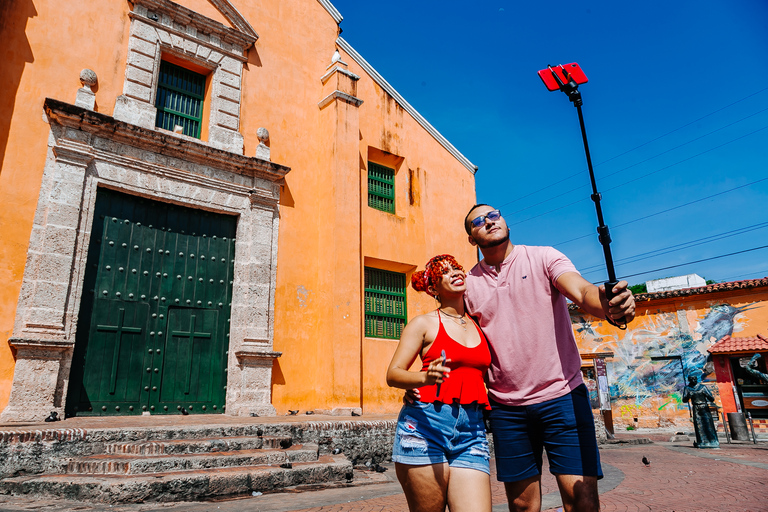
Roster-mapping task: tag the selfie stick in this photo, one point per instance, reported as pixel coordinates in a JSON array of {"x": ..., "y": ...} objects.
[{"x": 571, "y": 89}]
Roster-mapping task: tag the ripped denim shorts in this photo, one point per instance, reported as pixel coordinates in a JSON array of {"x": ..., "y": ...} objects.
[{"x": 434, "y": 433}]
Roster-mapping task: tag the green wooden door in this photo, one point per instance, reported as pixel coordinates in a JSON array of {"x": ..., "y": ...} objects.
[{"x": 156, "y": 307}]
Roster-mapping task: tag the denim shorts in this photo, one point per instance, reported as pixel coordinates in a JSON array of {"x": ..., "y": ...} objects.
[
  {"x": 435, "y": 433},
  {"x": 563, "y": 426}
]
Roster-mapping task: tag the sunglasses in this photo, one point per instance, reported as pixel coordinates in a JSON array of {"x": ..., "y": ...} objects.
[{"x": 493, "y": 215}]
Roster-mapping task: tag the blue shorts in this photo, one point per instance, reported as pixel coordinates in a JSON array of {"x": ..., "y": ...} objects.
[
  {"x": 563, "y": 426},
  {"x": 437, "y": 433}
]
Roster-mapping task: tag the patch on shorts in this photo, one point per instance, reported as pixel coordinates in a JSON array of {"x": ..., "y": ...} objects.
[
  {"x": 409, "y": 436},
  {"x": 410, "y": 424}
]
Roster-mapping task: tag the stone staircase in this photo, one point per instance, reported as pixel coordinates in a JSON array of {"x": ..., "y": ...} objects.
[{"x": 184, "y": 469}]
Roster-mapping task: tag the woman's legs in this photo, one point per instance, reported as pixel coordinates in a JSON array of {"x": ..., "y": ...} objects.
[
  {"x": 425, "y": 487},
  {"x": 429, "y": 488},
  {"x": 469, "y": 490}
]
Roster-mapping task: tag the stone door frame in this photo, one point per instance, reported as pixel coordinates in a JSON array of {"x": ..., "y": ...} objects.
[{"x": 88, "y": 150}]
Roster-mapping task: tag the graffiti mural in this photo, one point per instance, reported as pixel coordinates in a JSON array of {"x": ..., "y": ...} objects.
[{"x": 655, "y": 355}]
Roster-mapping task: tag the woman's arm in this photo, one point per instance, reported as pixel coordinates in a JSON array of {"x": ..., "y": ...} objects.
[{"x": 411, "y": 342}]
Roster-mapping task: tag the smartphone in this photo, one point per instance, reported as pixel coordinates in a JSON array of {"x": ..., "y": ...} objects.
[
  {"x": 573, "y": 69},
  {"x": 442, "y": 354}
]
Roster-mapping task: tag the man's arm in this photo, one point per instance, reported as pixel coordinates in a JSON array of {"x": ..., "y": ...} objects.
[{"x": 593, "y": 300}]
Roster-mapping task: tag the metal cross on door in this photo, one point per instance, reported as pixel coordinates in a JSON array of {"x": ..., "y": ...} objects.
[{"x": 158, "y": 311}]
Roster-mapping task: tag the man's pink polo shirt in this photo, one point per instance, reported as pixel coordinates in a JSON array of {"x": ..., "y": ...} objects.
[{"x": 534, "y": 356}]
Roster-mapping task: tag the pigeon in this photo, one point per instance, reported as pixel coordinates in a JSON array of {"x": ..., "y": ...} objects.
[
  {"x": 355, "y": 413},
  {"x": 379, "y": 468},
  {"x": 646, "y": 461},
  {"x": 336, "y": 451},
  {"x": 286, "y": 465},
  {"x": 254, "y": 415},
  {"x": 293, "y": 413},
  {"x": 53, "y": 417},
  {"x": 310, "y": 412},
  {"x": 184, "y": 411}
]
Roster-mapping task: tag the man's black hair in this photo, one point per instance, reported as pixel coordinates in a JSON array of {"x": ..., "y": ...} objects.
[{"x": 466, "y": 218}]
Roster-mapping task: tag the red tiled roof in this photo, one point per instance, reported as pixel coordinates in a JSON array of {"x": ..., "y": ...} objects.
[
  {"x": 699, "y": 290},
  {"x": 728, "y": 345},
  {"x": 710, "y": 288}
]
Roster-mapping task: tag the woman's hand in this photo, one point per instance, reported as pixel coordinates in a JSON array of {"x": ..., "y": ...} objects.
[{"x": 436, "y": 372}]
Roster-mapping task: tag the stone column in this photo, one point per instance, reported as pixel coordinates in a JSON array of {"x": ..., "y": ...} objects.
[
  {"x": 45, "y": 321},
  {"x": 249, "y": 371},
  {"x": 342, "y": 238}
]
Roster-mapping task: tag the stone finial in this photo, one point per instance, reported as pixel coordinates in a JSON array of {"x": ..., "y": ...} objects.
[
  {"x": 86, "y": 98},
  {"x": 88, "y": 78},
  {"x": 262, "y": 150}
]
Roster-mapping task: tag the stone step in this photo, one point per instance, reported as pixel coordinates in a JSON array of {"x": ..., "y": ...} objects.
[
  {"x": 179, "y": 485},
  {"x": 129, "y": 464},
  {"x": 208, "y": 445}
]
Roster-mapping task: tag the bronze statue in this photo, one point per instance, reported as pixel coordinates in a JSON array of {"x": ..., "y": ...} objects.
[
  {"x": 751, "y": 368},
  {"x": 700, "y": 397}
]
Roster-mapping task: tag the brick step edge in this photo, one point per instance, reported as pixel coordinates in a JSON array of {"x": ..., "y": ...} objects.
[
  {"x": 141, "y": 464},
  {"x": 183, "y": 486},
  {"x": 184, "y": 446}
]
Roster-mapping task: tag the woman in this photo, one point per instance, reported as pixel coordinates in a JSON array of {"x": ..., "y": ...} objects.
[{"x": 441, "y": 452}]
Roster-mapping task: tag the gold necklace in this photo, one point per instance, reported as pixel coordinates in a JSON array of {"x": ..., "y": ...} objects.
[{"x": 458, "y": 319}]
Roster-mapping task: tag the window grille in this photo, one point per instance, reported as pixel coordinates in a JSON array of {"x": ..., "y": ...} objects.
[
  {"x": 385, "y": 307},
  {"x": 180, "y": 94},
  {"x": 381, "y": 187}
]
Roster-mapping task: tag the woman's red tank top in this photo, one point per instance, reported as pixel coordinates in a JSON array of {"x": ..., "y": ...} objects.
[{"x": 466, "y": 383}]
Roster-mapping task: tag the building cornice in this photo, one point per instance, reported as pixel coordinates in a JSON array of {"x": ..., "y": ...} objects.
[
  {"x": 167, "y": 144},
  {"x": 333, "y": 11},
  {"x": 344, "y": 45},
  {"x": 242, "y": 35}
]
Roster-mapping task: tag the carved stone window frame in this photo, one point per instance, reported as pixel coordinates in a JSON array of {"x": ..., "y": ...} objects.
[{"x": 161, "y": 27}]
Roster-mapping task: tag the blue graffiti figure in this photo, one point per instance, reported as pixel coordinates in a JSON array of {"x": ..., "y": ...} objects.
[
  {"x": 717, "y": 324},
  {"x": 719, "y": 321}
]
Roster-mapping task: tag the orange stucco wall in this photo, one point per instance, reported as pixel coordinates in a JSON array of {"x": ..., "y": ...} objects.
[
  {"x": 45, "y": 46},
  {"x": 327, "y": 232},
  {"x": 651, "y": 391}
]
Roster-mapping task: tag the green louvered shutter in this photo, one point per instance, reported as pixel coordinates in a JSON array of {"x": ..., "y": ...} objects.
[
  {"x": 385, "y": 307},
  {"x": 381, "y": 187},
  {"x": 180, "y": 94}
]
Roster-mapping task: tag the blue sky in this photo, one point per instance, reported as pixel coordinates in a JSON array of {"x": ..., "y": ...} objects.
[{"x": 676, "y": 112}]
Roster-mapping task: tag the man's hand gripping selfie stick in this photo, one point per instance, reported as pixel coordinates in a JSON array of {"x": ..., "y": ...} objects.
[{"x": 571, "y": 89}]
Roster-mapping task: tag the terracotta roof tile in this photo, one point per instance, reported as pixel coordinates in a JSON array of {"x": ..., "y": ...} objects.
[
  {"x": 699, "y": 290},
  {"x": 710, "y": 288},
  {"x": 729, "y": 345}
]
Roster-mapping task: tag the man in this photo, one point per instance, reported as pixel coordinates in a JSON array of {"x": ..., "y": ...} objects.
[{"x": 518, "y": 296}]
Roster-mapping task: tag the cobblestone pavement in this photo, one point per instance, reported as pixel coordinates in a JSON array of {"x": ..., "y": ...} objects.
[{"x": 680, "y": 478}]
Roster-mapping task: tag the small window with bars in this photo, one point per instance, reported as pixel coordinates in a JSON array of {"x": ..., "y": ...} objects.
[
  {"x": 385, "y": 311},
  {"x": 381, "y": 187},
  {"x": 180, "y": 94}
]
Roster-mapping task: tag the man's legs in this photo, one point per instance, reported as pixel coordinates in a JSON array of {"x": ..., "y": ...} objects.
[
  {"x": 524, "y": 495},
  {"x": 569, "y": 438},
  {"x": 518, "y": 451},
  {"x": 579, "y": 493}
]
